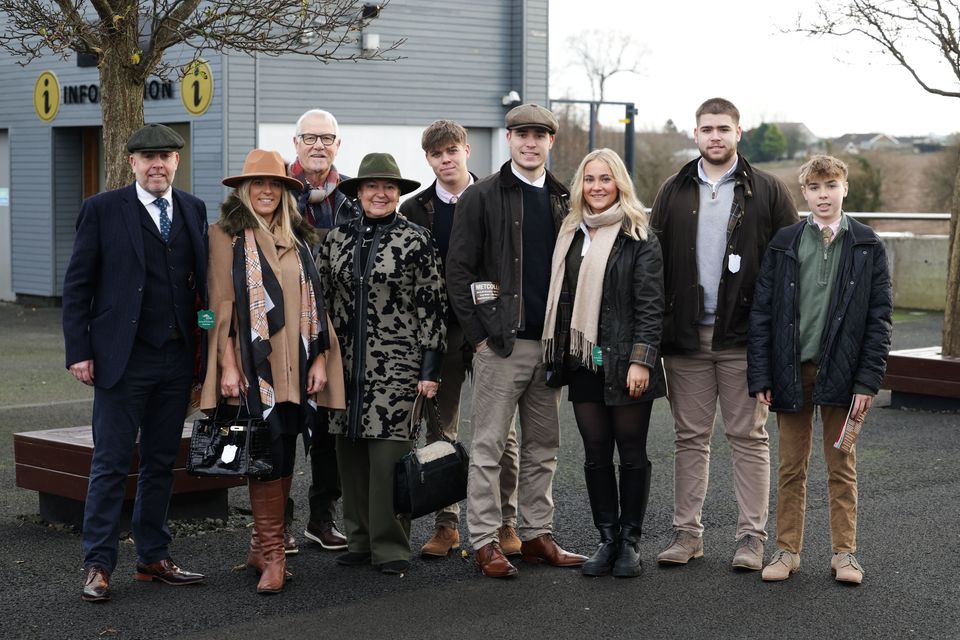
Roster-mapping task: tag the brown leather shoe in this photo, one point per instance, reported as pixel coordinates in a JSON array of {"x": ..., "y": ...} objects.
[
  {"x": 166, "y": 571},
  {"x": 509, "y": 540},
  {"x": 493, "y": 563},
  {"x": 96, "y": 584},
  {"x": 326, "y": 535},
  {"x": 546, "y": 549}
]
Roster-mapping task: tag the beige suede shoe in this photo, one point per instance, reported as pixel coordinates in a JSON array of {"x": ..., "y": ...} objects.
[
  {"x": 749, "y": 554},
  {"x": 509, "y": 540},
  {"x": 684, "y": 547},
  {"x": 782, "y": 565},
  {"x": 439, "y": 545},
  {"x": 846, "y": 568}
]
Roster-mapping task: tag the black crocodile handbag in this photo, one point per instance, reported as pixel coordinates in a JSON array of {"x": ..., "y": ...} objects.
[
  {"x": 230, "y": 443},
  {"x": 432, "y": 477}
]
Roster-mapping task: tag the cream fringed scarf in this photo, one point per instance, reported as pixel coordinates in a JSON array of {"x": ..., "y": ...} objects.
[{"x": 585, "y": 320}]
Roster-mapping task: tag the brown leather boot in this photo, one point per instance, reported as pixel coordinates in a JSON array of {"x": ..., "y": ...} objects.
[{"x": 268, "y": 504}]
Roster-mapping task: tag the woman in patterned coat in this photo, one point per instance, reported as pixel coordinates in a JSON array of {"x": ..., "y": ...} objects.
[{"x": 381, "y": 277}]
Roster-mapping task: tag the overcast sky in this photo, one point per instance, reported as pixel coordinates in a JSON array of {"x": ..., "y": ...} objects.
[{"x": 696, "y": 49}]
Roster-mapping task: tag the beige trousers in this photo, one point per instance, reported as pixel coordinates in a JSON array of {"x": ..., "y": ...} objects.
[
  {"x": 796, "y": 445},
  {"x": 695, "y": 384},
  {"x": 453, "y": 374},
  {"x": 501, "y": 387}
]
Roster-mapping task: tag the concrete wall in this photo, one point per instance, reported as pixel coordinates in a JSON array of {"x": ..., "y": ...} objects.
[{"x": 918, "y": 269}]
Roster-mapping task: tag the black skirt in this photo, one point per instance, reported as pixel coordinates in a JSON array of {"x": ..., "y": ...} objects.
[{"x": 586, "y": 385}]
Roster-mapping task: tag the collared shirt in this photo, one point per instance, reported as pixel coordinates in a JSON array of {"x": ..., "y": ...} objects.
[
  {"x": 147, "y": 199},
  {"x": 539, "y": 182},
  {"x": 835, "y": 227},
  {"x": 713, "y": 184},
  {"x": 445, "y": 196}
]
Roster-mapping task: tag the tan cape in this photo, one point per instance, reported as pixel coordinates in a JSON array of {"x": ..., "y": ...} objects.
[{"x": 282, "y": 258}]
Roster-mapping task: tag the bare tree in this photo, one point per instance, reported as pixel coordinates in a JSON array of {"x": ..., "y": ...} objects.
[
  {"x": 922, "y": 36},
  {"x": 604, "y": 54},
  {"x": 130, "y": 38}
]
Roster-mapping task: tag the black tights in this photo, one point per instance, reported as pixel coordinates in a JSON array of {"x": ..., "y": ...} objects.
[{"x": 601, "y": 427}]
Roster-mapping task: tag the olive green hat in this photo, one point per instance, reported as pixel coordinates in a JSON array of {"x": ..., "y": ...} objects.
[{"x": 377, "y": 166}]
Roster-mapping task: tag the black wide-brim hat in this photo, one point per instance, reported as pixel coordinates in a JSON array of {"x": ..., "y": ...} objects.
[{"x": 377, "y": 166}]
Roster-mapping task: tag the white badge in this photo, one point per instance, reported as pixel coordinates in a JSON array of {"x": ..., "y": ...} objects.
[
  {"x": 229, "y": 453},
  {"x": 733, "y": 263}
]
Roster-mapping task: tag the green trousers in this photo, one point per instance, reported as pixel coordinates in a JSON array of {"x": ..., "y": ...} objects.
[{"x": 366, "y": 475}]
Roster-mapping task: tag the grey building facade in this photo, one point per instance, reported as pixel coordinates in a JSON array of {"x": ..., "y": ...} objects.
[{"x": 459, "y": 61}]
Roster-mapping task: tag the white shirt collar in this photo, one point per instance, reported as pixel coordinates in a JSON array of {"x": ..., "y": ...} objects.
[
  {"x": 703, "y": 175},
  {"x": 445, "y": 196},
  {"x": 539, "y": 182},
  {"x": 147, "y": 198}
]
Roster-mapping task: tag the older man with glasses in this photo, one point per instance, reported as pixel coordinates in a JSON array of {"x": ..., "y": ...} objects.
[{"x": 317, "y": 141}]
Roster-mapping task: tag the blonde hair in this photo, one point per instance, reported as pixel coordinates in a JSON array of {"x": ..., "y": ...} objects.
[
  {"x": 288, "y": 216},
  {"x": 825, "y": 167},
  {"x": 636, "y": 222}
]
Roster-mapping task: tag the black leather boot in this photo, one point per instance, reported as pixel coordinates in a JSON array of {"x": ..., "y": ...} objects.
[
  {"x": 634, "y": 492},
  {"x": 602, "y": 490}
]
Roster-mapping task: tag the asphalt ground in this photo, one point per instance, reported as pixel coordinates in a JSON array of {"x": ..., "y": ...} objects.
[{"x": 908, "y": 536}]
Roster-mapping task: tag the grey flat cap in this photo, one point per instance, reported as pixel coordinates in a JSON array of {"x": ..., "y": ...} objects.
[
  {"x": 532, "y": 115},
  {"x": 155, "y": 137}
]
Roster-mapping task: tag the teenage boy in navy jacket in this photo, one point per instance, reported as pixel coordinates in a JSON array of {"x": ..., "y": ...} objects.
[{"x": 819, "y": 336}]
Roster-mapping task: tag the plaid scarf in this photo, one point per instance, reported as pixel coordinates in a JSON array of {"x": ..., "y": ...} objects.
[
  {"x": 260, "y": 307},
  {"x": 316, "y": 203}
]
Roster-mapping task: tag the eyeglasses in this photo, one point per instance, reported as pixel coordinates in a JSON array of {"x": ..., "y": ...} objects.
[{"x": 311, "y": 138}]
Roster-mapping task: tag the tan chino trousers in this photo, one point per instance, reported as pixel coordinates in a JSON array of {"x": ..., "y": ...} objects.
[
  {"x": 695, "y": 384},
  {"x": 452, "y": 375},
  {"x": 796, "y": 445},
  {"x": 501, "y": 387}
]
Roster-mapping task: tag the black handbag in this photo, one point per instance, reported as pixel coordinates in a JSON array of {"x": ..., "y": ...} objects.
[
  {"x": 233, "y": 445},
  {"x": 430, "y": 477}
]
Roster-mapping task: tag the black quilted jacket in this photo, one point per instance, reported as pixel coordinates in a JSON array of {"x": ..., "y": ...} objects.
[{"x": 857, "y": 340}]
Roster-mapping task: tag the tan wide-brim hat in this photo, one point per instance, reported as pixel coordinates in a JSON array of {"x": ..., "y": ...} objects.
[
  {"x": 261, "y": 163},
  {"x": 377, "y": 166}
]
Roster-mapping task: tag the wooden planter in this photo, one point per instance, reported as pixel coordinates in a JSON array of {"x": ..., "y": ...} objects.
[{"x": 923, "y": 379}]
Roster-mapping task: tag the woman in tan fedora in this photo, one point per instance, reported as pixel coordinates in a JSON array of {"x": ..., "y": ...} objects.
[
  {"x": 381, "y": 276},
  {"x": 271, "y": 343}
]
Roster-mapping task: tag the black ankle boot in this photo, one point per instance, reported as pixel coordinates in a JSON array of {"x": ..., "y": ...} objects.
[
  {"x": 601, "y": 562},
  {"x": 634, "y": 492},
  {"x": 602, "y": 490}
]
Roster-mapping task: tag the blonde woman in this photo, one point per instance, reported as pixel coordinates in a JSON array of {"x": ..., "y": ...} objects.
[
  {"x": 606, "y": 285},
  {"x": 271, "y": 341}
]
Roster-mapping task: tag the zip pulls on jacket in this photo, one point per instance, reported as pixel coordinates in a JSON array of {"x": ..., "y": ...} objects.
[{"x": 361, "y": 278}]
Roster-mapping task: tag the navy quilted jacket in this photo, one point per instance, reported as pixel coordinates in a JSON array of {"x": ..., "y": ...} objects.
[{"x": 857, "y": 340}]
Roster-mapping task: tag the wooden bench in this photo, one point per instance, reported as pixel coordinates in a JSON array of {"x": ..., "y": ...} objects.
[
  {"x": 56, "y": 463},
  {"x": 923, "y": 379}
]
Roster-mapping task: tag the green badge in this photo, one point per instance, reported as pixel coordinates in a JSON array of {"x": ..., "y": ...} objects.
[
  {"x": 206, "y": 319},
  {"x": 597, "y": 355}
]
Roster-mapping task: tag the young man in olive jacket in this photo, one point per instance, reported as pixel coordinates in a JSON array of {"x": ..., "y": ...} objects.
[
  {"x": 819, "y": 337},
  {"x": 714, "y": 219},
  {"x": 501, "y": 246},
  {"x": 445, "y": 145}
]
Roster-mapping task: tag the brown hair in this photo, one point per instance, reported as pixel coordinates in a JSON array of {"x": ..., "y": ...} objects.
[
  {"x": 719, "y": 106},
  {"x": 443, "y": 133},
  {"x": 823, "y": 166}
]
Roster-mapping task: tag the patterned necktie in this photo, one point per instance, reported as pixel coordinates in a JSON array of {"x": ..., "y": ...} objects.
[
  {"x": 453, "y": 199},
  {"x": 827, "y": 234},
  {"x": 164, "y": 218}
]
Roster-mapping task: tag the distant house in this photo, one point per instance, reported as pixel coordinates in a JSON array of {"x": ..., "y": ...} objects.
[
  {"x": 800, "y": 140},
  {"x": 854, "y": 143}
]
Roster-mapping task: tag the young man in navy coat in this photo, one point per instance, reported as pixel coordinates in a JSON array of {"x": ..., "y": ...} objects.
[{"x": 138, "y": 267}]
